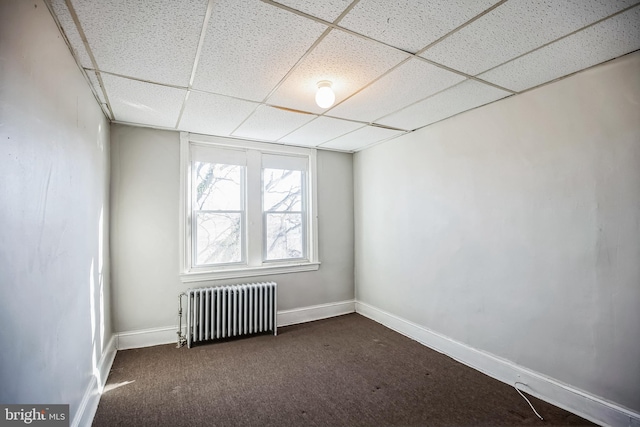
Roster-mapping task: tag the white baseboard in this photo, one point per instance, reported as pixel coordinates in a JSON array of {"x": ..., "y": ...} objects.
[
  {"x": 167, "y": 335},
  {"x": 147, "y": 337},
  {"x": 106, "y": 362},
  {"x": 561, "y": 395},
  {"x": 315, "y": 312},
  {"x": 89, "y": 404}
]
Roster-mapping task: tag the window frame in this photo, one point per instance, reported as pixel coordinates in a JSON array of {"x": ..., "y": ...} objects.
[
  {"x": 254, "y": 262},
  {"x": 305, "y": 224},
  {"x": 243, "y": 223}
]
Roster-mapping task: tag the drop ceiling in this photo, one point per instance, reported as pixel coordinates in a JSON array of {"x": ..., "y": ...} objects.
[{"x": 248, "y": 69}]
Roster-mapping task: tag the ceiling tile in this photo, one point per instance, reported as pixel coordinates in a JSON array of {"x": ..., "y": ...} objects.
[
  {"x": 270, "y": 124},
  {"x": 214, "y": 114},
  {"x": 328, "y": 10},
  {"x": 320, "y": 130},
  {"x": 145, "y": 103},
  {"x": 604, "y": 41},
  {"x": 348, "y": 61},
  {"x": 410, "y": 82},
  {"x": 517, "y": 27},
  {"x": 96, "y": 86},
  {"x": 361, "y": 138},
  {"x": 154, "y": 41},
  {"x": 411, "y": 25},
  {"x": 465, "y": 96},
  {"x": 250, "y": 46},
  {"x": 71, "y": 31}
]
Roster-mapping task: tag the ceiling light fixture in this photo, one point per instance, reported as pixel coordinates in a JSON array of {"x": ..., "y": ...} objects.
[{"x": 325, "y": 96}]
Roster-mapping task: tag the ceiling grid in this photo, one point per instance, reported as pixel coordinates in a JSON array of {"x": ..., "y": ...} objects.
[
  {"x": 250, "y": 69},
  {"x": 196, "y": 60}
]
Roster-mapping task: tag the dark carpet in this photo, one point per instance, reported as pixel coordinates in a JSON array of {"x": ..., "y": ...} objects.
[{"x": 343, "y": 371}]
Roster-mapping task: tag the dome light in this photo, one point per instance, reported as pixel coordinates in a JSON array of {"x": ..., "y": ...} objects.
[{"x": 325, "y": 96}]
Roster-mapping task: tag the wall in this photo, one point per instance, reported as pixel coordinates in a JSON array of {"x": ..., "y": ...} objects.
[
  {"x": 145, "y": 241},
  {"x": 54, "y": 211},
  {"x": 515, "y": 229}
]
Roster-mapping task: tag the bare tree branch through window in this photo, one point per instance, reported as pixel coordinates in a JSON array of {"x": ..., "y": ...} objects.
[
  {"x": 283, "y": 212},
  {"x": 218, "y": 213}
]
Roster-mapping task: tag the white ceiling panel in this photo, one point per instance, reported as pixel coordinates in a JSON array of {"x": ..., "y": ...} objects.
[
  {"x": 411, "y": 25},
  {"x": 604, "y": 41},
  {"x": 71, "y": 31},
  {"x": 154, "y": 41},
  {"x": 465, "y": 96},
  {"x": 327, "y": 10},
  {"x": 348, "y": 61},
  {"x": 96, "y": 86},
  {"x": 516, "y": 27},
  {"x": 260, "y": 60},
  {"x": 320, "y": 130},
  {"x": 214, "y": 114},
  {"x": 270, "y": 124},
  {"x": 410, "y": 82},
  {"x": 145, "y": 103},
  {"x": 250, "y": 46},
  {"x": 361, "y": 138}
]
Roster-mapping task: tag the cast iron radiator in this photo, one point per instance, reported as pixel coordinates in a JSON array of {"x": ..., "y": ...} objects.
[{"x": 229, "y": 311}]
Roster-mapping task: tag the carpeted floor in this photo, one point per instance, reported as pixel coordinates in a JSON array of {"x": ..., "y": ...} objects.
[{"x": 343, "y": 371}]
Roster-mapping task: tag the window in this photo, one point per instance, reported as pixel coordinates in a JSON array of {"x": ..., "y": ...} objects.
[
  {"x": 217, "y": 213},
  {"x": 247, "y": 209}
]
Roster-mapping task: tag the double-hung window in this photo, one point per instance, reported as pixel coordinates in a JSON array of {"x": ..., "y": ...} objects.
[
  {"x": 247, "y": 209},
  {"x": 283, "y": 207},
  {"x": 217, "y": 207}
]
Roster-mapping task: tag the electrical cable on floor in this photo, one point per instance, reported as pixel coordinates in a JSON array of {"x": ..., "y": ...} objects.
[{"x": 515, "y": 385}]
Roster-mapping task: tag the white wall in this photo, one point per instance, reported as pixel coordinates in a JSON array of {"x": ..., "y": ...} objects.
[
  {"x": 515, "y": 229},
  {"x": 145, "y": 241},
  {"x": 54, "y": 190}
]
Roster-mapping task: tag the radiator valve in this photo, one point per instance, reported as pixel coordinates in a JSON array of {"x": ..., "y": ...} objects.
[{"x": 182, "y": 340}]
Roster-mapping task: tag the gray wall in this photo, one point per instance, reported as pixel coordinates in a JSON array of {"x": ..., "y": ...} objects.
[
  {"x": 54, "y": 186},
  {"x": 145, "y": 241},
  {"x": 515, "y": 229}
]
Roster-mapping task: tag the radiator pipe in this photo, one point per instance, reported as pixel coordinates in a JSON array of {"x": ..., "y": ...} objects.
[{"x": 182, "y": 340}]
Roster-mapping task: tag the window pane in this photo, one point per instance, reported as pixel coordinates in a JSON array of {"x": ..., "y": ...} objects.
[
  {"x": 284, "y": 236},
  {"x": 217, "y": 186},
  {"x": 282, "y": 190},
  {"x": 219, "y": 238}
]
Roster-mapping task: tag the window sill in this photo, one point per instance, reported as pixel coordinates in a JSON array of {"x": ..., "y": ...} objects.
[{"x": 238, "y": 273}]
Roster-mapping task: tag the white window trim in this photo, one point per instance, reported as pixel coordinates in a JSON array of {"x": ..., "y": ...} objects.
[{"x": 201, "y": 274}]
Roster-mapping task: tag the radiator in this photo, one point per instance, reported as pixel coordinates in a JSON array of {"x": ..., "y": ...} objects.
[{"x": 230, "y": 311}]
